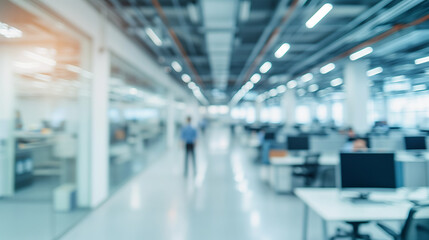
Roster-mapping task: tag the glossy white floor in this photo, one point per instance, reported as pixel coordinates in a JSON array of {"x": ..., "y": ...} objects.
[{"x": 225, "y": 201}]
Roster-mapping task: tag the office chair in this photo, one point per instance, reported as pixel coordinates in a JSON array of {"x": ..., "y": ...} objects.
[
  {"x": 309, "y": 169},
  {"x": 354, "y": 234},
  {"x": 415, "y": 227}
]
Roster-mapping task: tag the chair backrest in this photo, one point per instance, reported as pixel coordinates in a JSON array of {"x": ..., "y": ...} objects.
[
  {"x": 312, "y": 159},
  {"x": 417, "y": 224}
]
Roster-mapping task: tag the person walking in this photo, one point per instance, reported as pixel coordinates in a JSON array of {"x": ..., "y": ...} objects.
[{"x": 189, "y": 137}]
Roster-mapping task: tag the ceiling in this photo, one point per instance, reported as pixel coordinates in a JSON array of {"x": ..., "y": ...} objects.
[{"x": 222, "y": 43}]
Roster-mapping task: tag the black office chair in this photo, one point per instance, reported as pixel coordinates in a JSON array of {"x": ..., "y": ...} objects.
[
  {"x": 415, "y": 227},
  {"x": 354, "y": 234},
  {"x": 309, "y": 170}
]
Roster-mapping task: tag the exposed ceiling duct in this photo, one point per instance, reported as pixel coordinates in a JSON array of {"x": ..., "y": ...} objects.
[{"x": 220, "y": 21}]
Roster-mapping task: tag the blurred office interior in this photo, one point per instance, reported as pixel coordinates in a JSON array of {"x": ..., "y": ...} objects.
[{"x": 312, "y": 119}]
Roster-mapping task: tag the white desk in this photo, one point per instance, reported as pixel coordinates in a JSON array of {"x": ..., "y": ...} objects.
[
  {"x": 328, "y": 204},
  {"x": 284, "y": 165},
  {"x": 414, "y": 169}
]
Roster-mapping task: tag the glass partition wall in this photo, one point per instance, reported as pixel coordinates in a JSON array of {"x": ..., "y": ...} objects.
[
  {"x": 44, "y": 89},
  {"x": 136, "y": 122}
]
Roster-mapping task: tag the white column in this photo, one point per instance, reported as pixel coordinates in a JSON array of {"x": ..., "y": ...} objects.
[
  {"x": 356, "y": 84},
  {"x": 289, "y": 107},
  {"x": 99, "y": 161},
  {"x": 171, "y": 120},
  {"x": 7, "y": 126},
  {"x": 258, "y": 111}
]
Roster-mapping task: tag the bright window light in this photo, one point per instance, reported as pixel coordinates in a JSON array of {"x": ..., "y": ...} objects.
[
  {"x": 319, "y": 15},
  {"x": 176, "y": 66},
  {"x": 186, "y": 78},
  {"x": 419, "y": 87},
  {"x": 292, "y": 84},
  {"x": 265, "y": 67},
  {"x": 313, "y": 87},
  {"x": 152, "y": 35},
  {"x": 255, "y": 78},
  {"x": 336, "y": 82},
  {"x": 9, "y": 31},
  {"x": 421, "y": 60},
  {"x": 361, "y": 53},
  {"x": 282, "y": 50},
  {"x": 307, "y": 77},
  {"x": 40, "y": 58},
  {"x": 374, "y": 71},
  {"x": 327, "y": 68}
]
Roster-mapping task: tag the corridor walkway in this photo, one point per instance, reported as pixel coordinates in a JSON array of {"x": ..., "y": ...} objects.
[{"x": 225, "y": 201}]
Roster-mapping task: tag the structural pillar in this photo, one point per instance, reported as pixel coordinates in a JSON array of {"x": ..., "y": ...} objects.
[
  {"x": 356, "y": 84},
  {"x": 171, "y": 120},
  {"x": 289, "y": 107},
  {"x": 7, "y": 126},
  {"x": 258, "y": 111}
]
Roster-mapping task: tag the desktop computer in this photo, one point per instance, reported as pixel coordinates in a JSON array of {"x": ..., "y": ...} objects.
[
  {"x": 415, "y": 143},
  {"x": 367, "y": 172},
  {"x": 297, "y": 144},
  {"x": 300, "y": 143}
]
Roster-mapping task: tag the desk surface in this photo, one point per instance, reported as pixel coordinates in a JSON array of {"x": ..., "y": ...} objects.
[
  {"x": 334, "y": 158},
  {"x": 329, "y": 205}
]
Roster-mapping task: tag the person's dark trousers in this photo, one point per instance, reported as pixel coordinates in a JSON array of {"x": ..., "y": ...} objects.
[{"x": 190, "y": 151}]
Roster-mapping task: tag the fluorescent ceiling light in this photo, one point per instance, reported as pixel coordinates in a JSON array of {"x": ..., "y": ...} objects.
[
  {"x": 40, "y": 58},
  {"x": 301, "y": 92},
  {"x": 292, "y": 84},
  {"x": 421, "y": 60},
  {"x": 248, "y": 86},
  {"x": 419, "y": 87},
  {"x": 186, "y": 78},
  {"x": 319, "y": 15},
  {"x": 361, "y": 53},
  {"x": 273, "y": 92},
  {"x": 255, "y": 78},
  {"x": 399, "y": 78},
  {"x": 152, "y": 35},
  {"x": 9, "y": 31},
  {"x": 176, "y": 66},
  {"x": 281, "y": 89},
  {"x": 244, "y": 11},
  {"x": 307, "y": 77},
  {"x": 327, "y": 68},
  {"x": 336, "y": 82},
  {"x": 282, "y": 50},
  {"x": 393, "y": 87},
  {"x": 374, "y": 71},
  {"x": 265, "y": 67},
  {"x": 193, "y": 13},
  {"x": 313, "y": 87},
  {"x": 133, "y": 91},
  {"x": 192, "y": 85}
]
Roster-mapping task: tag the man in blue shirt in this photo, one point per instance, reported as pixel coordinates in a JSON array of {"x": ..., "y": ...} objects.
[{"x": 189, "y": 137}]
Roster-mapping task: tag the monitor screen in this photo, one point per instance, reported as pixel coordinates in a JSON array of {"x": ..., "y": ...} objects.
[
  {"x": 298, "y": 143},
  {"x": 367, "y": 170},
  {"x": 415, "y": 143},
  {"x": 270, "y": 136}
]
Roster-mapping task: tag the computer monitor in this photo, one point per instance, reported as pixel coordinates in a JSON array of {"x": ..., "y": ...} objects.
[
  {"x": 300, "y": 143},
  {"x": 415, "y": 143},
  {"x": 367, "y": 172},
  {"x": 270, "y": 136}
]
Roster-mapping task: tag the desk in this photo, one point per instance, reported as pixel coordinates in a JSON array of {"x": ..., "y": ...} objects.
[
  {"x": 284, "y": 166},
  {"x": 414, "y": 169},
  {"x": 328, "y": 204}
]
